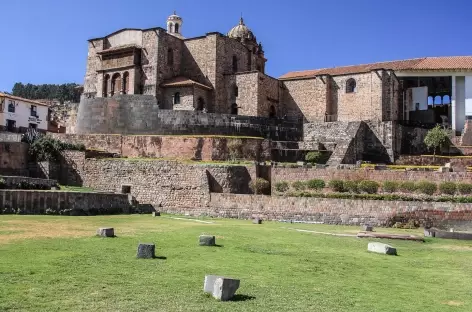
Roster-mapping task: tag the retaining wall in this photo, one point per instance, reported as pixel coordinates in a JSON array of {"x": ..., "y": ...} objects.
[
  {"x": 11, "y": 181},
  {"x": 69, "y": 203}
]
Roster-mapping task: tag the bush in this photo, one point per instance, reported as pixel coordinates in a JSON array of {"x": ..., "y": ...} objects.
[
  {"x": 3, "y": 183},
  {"x": 426, "y": 187},
  {"x": 281, "y": 186},
  {"x": 260, "y": 186},
  {"x": 336, "y": 185},
  {"x": 316, "y": 184},
  {"x": 464, "y": 188},
  {"x": 46, "y": 148},
  {"x": 299, "y": 185},
  {"x": 390, "y": 186},
  {"x": 408, "y": 187},
  {"x": 448, "y": 188},
  {"x": 351, "y": 186},
  {"x": 313, "y": 157},
  {"x": 369, "y": 187}
]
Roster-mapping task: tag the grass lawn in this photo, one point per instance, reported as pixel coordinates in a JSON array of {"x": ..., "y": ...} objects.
[{"x": 52, "y": 263}]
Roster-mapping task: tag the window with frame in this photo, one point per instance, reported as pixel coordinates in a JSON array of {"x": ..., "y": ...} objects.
[
  {"x": 351, "y": 86},
  {"x": 11, "y": 107},
  {"x": 34, "y": 111},
  {"x": 176, "y": 98}
]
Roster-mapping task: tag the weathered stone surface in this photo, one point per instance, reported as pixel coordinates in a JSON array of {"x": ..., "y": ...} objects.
[
  {"x": 222, "y": 288},
  {"x": 382, "y": 248},
  {"x": 447, "y": 234},
  {"x": 257, "y": 221},
  {"x": 106, "y": 232},
  {"x": 146, "y": 251},
  {"x": 367, "y": 228},
  {"x": 207, "y": 240}
]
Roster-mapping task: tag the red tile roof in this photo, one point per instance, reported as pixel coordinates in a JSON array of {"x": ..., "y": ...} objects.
[
  {"x": 425, "y": 63},
  {"x": 183, "y": 82},
  {"x": 8, "y": 96}
]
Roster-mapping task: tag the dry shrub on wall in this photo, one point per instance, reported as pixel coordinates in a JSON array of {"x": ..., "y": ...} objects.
[
  {"x": 281, "y": 186},
  {"x": 448, "y": 188},
  {"x": 369, "y": 187},
  {"x": 351, "y": 186},
  {"x": 390, "y": 186},
  {"x": 426, "y": 187},
  {"x": 464, "y": 188},
  {"x": 260, "y": 186},
  {"x": 235, "y": 149}
]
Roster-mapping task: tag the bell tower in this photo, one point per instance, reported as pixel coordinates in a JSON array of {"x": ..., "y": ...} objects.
[{"x": 174, "y": 25}]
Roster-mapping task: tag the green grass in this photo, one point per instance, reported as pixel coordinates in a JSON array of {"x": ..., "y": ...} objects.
[
  {"x": 82, "y": 189},
  {"x": 186, "y": 161},
  {"x": 50, "y": 263}
]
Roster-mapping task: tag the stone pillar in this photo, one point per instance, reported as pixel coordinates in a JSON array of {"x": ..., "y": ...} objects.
[{"x": 453, "y": 103}]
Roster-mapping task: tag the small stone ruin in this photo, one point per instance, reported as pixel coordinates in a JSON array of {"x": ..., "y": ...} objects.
[
  {"x": 207, "y": 240},
  {"x": 106, "y": 232},
  {"x": 447, "y": 235},
  {"x": 382, "y": 249},
  {"x": 156, "y": 214},
  {"x": 146, "y": 251},
  {"x": 367, "y": 228},
  {"x": 257, "y": 221},
  {"x": 221, "y": 288}
]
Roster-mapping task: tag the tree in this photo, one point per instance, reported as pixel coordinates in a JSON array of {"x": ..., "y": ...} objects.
[{"x": 436, "y": 138}]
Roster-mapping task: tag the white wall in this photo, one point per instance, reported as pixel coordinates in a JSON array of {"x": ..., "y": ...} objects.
[
  {"x": 22, "y": 114},
  {"x": 468, "y": 95},
  {"x": 420, "y": 95},
  {"x": 460, "y": 103}
]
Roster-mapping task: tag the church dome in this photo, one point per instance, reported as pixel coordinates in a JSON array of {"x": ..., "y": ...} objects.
[
  {"x": 241, "y": 32},
  {"x": 174, "y": 18}
]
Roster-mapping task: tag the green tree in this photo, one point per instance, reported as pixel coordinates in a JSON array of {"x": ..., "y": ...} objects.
[{"x": 436, "y": 138}]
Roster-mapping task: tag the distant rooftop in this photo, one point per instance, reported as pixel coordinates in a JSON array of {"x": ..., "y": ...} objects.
[{"x": 456, "y": 63}]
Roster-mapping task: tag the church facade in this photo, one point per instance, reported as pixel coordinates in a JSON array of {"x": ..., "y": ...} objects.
[{"x": 225, "y": 74}]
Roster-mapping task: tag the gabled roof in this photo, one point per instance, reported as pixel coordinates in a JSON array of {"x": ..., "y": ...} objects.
[
  {"x": 451, "y": 63},
  {"x": 17, "y": 98},
  {"x": 181, "y": 81}
]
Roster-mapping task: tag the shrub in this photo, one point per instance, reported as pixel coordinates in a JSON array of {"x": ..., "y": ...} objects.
[
  {"x": 390, "y": 186},
  {"x": 336, "y": 185},
  {"x": 313, "y": 157},
  {"x": 369, "y": 187},
  {"x": 46, "y": 148},
  {"x": 316, "y": 184},
  {"x": 448, "y": 188},
  {"x": 235, "y": 149},
  {"x": 3, "y": 183},
  {"x": 351, "y": 186},
  {"x": 299, "y": 185},
  {"x": 408, "y": 187},
  {"x": 281, "y": 186},
  {"x": 260, "y": 186},
  {"x": 464, "y": 188},
  {"x": 426, "y": 187}
]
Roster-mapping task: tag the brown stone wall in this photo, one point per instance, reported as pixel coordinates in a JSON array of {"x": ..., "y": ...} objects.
[
  {"x": 13, "y": 158},
  {"x": 186, "y": 98},
  {"x": 183, "y": 147},
  {"x": 335, "y": 211},
  {"x": 304, "y": 174},
  {"x": 306, "y": 98},
  {"x": 91, "y": 84},
  {"x": 248, "y": 93},
  {"x": 365, "y": 103},
  {"x": 68, "y": 203},
  {"x": 269, "y": 95},
  {"x": 149, "y": 58}
]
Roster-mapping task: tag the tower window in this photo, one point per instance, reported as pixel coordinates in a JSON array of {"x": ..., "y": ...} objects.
[
  {"x": 236, "y": 91},
  {"x": 235, "y": 63},
  {"x": 176, "y": 98},
  {"x": 176, "y": 27},
  {"x": 351, "y": 86}
]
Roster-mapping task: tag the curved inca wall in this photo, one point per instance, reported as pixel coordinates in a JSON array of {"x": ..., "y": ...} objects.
[{"x": 140, "y": 114}]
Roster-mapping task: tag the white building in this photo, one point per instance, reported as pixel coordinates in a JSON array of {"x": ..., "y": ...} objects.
[{"x": 18, "y": 114}]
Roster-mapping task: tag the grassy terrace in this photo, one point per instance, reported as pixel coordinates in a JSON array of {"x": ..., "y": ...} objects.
[{"x": 57, "y": 264}]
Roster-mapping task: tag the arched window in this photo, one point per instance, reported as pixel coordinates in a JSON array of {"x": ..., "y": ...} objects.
[
  {"x": 171, "y": 27},
  {"x": 234, "y": 109},
  {"x": 235, "y": 91},
  {"x": 115, "y": 84},
  {"x": 106, "y": 81},
  {"x": 200, "y": 104},
  {"x": 272, "y": 112},
  {"x": 351, "y": 86},
  {"x": 11, "y": 107},
  {"x": 446, "y": 99},
  {"x": 176, "y": 28},
  {"x": 437, "y": 100},
  {"x": 176, "y": 98},
  {"x": 125, "y": 83},
  {"x": 235, "y": 64},
  {"x": 430, "y": 100},
  {"x": 170, "y": 57}
]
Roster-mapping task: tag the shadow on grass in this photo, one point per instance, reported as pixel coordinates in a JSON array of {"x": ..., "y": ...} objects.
[
  {"x": 242, "y": 298},
  {"x": 160, "y": 258}
]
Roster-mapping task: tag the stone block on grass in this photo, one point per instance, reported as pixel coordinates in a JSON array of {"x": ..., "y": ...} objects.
[
  {"x": 257, "y": 221},
  {"x": 106, "y": 232},
  {"x": 156, "y": 214},
  {"x": 382, "y": 249},
  {"x": 221, "y": 288},
  {"x": 207, "y": 240},
  {"x": 146, "y": 251},
  {"x": 367, "y": 228}
]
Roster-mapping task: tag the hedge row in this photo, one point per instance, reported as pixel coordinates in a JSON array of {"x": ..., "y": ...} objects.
[
  {"x": 24, "y": 185},
  {"x": 372, "y": 187}
]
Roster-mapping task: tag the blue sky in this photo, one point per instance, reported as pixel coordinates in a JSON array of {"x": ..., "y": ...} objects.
[{"x": 45, "y": 41}]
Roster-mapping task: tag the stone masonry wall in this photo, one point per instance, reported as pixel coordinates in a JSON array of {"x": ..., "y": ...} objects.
[
  {"x": 304, "y": 174},
  {"x": 13, "y": 158},
  {"x": 335, "y": 211},
  {"x": 74, "y": 203},
  {"x": 306, "y": 98}
]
